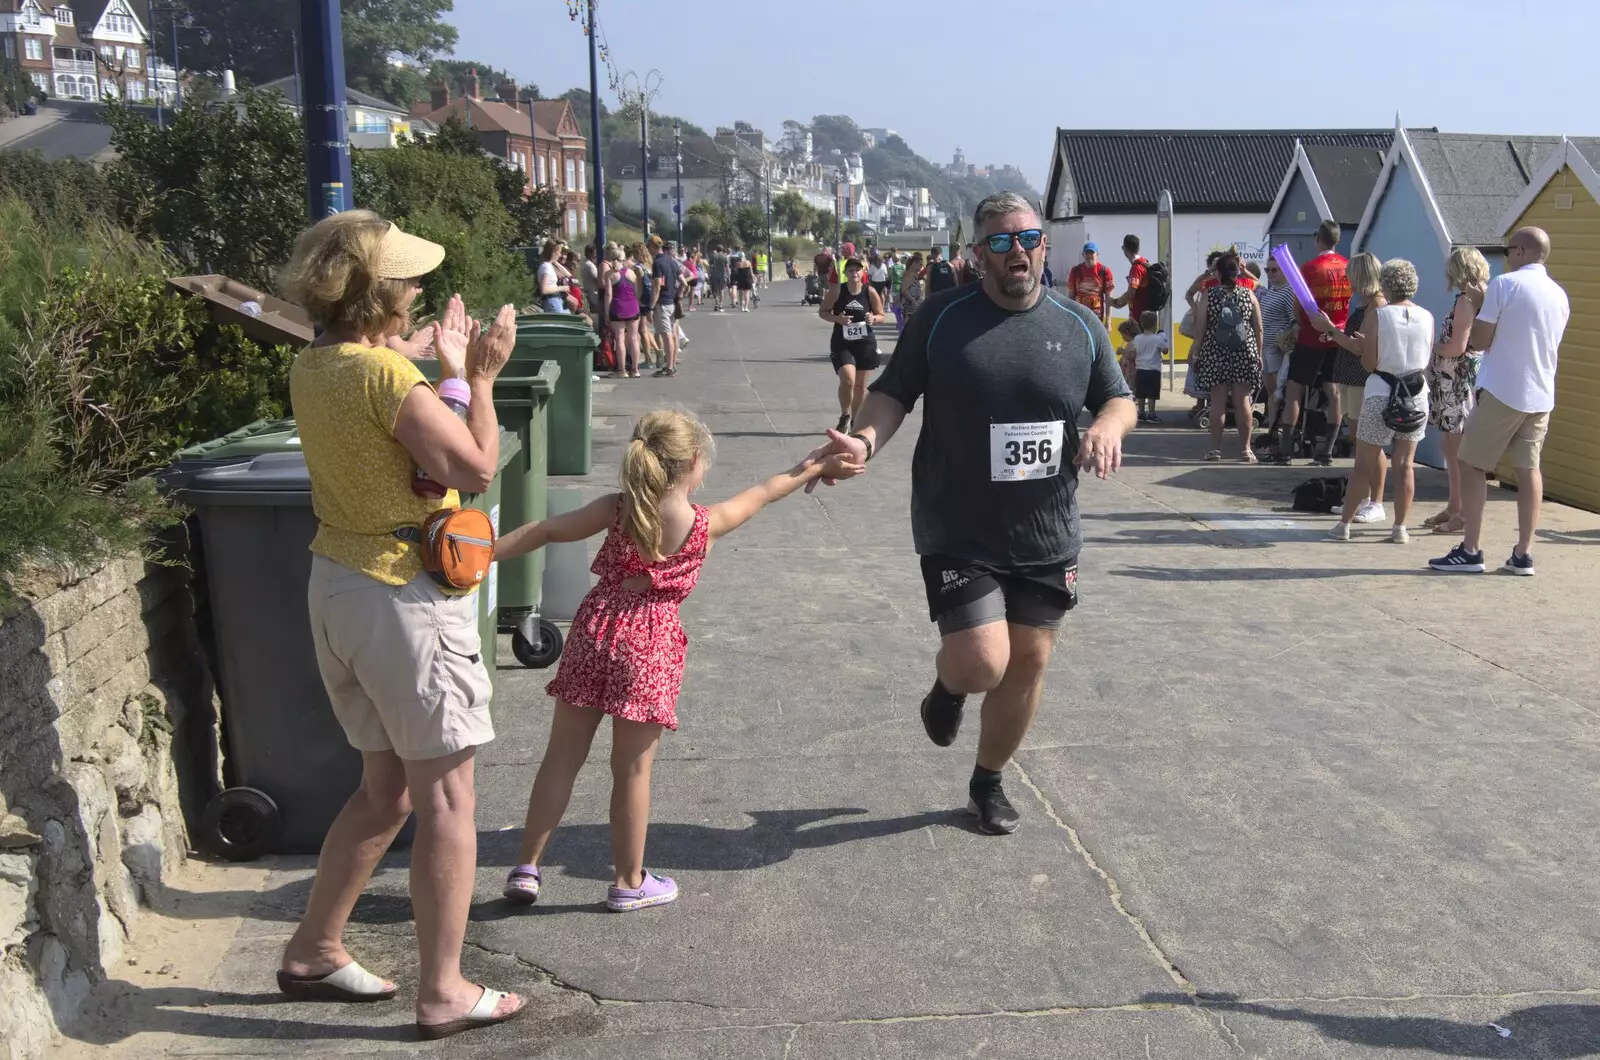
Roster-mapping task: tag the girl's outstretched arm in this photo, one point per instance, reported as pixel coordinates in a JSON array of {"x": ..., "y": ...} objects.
[
  {"x": 738, "y": 510},
  {"x": 579, "y": 525}
]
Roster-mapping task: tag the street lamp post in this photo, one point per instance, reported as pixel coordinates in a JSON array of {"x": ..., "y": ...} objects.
[
  {"x": 594, "y": 137},
  {"x": 327, "y": 138},
  {"x": 766, "y": 173},
  {"x": 636, "y": 92},
  {"x": 838, "y": 209},
  {"x": 677, "y": 147}
]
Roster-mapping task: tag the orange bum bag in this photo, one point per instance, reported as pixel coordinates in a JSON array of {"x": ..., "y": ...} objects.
[{"x": 457, "y": 546}]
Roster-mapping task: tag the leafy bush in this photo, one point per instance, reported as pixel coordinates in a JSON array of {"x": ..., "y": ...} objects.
[{"x": 68, "y": 192}]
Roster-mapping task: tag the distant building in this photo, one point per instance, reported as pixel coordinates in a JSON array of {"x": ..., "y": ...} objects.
[
  {"x": 543, "y": 139},
  {"x": 370, "y": 121},
  {"x": 85, "y": 49}
]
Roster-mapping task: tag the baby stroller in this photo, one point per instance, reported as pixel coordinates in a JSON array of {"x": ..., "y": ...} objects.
[{"x": 813, "y": 291}]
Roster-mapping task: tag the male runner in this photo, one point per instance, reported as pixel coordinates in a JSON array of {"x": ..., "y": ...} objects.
[
  {"x": 938, "y": 275},
  {"x": 1005, "y": 367}
]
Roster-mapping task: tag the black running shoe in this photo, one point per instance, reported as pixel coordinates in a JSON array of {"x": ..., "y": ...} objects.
[
  {"x": 844, "y": 421},
  {"x": 996, "y": 815},
  {"x": 941, "y": 714}
]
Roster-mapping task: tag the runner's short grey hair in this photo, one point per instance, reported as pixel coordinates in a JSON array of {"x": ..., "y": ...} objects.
[
  {"x": 1398, "y": 279},
  {"x": 999, "y": 205}
]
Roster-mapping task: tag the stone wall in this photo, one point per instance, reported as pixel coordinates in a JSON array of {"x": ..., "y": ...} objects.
[{"x": 102, "y": 688}]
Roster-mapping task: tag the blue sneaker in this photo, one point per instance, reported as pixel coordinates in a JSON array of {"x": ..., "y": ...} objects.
[
  {"x": 1460, "y": 561},
  {"x": 1522, "y": 564}
]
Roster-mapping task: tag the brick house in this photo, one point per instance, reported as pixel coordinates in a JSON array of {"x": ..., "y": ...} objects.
[
  {"x": 28, "y": 30},
  {"x": 540, "y": 138},
  {"x": 84, "y": 49}
]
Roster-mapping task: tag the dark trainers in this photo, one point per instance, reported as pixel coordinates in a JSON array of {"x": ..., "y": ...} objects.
[
  {"x": 1522, "y": 564},
  {"x": 996, "y": 815},
  {"x": 1460, "y": 561},
  {"x": 941, "y": 714}
]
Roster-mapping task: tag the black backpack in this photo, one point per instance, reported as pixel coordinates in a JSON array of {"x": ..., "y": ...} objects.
[
  {"x": 1157, "y": 286},
  {"x": 1320, "y": 495},
  {"x": 1231, "y": 330},
  {"x": 941, "y": 277}
]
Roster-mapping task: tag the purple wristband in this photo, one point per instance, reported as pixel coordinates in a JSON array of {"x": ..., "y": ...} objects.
[{"x": 456, "y": 391}]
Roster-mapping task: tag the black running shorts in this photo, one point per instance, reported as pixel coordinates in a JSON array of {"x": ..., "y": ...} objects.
[
  {"x": 862, "y": 355},
  {"x": 964, "y": 595},
  {"x": 1308, "y": 364}
]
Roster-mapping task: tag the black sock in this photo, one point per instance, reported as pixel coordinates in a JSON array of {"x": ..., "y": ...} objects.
[{"x": 983, "y": 780}]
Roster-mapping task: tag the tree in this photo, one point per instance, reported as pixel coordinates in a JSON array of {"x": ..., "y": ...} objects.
[
  {"x": 750, "y": 221},
  {"x": 822, "y": 226},
  {"x": 791, "y": 212},
  {"x": 837, "y": 132},
  {"x": 256, "y": 41},
  {"x": 534, "y": 215},
  {"x": 704, "y": 223}
]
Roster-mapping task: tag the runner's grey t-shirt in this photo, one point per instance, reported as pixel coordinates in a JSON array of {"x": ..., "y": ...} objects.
[{"x": 992, "y": 379}]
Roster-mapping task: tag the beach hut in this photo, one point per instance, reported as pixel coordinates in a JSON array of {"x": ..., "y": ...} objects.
[
  {"x": 1563, "y": 198},
  {"x": 1439, "y": 191},
  {"x": 1324, "y": 182}
]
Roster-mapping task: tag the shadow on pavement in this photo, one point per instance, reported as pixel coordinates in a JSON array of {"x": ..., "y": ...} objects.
[
  {"x": 166, "y": 1010},
  {"x": 1569, "y": 537},
  {"x": 1259, "y": 574},
  {"x": 1554, "y": 1031},
  {"x": 584, "y": 852}
]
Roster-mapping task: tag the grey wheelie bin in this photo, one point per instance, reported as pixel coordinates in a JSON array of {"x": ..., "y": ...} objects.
[{"x": 288, "y": 767}]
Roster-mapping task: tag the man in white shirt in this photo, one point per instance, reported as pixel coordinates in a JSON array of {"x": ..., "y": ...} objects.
[{"x": 1519, "y": 329}]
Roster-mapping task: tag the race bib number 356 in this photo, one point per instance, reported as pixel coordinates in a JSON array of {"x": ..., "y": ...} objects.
[{"x": 1021, "y": 452}]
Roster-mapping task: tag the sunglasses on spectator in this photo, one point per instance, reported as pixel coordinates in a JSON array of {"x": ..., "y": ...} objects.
[{"x": 1001, "y": 242}]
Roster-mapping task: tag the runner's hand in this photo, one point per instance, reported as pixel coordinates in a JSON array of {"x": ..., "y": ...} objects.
[
  {"x": 841, "y": 445},
  {"x": 1100, "y": 452}
]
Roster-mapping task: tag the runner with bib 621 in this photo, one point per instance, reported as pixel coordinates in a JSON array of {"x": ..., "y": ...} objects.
[{"x": 1004, "y": 368}]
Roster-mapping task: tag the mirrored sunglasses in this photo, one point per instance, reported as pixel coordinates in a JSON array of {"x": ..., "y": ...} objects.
[{"x": 1001, "y": 242}]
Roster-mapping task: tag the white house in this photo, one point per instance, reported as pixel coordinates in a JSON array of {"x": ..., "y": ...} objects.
[{"x": 1223, "y": 182}]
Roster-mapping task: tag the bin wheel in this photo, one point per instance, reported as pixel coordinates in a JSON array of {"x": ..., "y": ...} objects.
[
  {"x": 240, "y": 824},
  {"x": 538, "y": 654}
]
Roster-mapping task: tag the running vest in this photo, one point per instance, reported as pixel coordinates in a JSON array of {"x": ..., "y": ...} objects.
[
  {"x": 941, "y": 277},
  {"x": 857, "y": 305}
]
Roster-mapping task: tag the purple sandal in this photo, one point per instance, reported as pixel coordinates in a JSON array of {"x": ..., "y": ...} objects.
[
  {"x": 656, "y": 890},
  {"x": 522, "y": 885}
]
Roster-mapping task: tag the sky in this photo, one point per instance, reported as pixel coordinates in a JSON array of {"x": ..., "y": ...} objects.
[{"x": 942, "y": 76}]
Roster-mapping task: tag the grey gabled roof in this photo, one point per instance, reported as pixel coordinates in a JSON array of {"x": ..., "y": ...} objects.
[
  {"x": 1121, "y": 171},
  {"x": 289, "y": 88},
  {"x": 1346, "y": 175},
  {"x": 1474, "y": 177}
]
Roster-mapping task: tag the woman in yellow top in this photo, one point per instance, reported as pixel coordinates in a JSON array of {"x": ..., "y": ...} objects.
[{"x": 401, "y": 660}]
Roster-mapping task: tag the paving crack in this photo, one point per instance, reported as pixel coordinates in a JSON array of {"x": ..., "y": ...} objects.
[
  {"x": 1391, "y": 999},
  {"x": 1112, "y": 887}
]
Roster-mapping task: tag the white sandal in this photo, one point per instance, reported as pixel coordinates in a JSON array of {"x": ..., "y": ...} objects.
[
  {"x": 482, "y": 1015},
  {"x": 350, "y": 983}
]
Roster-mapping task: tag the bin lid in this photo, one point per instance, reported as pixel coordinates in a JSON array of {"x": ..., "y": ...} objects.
[
  {"x": 542, "y": 382},
  {"x": 268, "y": 480},
  {"x": 551, "y": 338},
  {"x": 258, "y": 437}
]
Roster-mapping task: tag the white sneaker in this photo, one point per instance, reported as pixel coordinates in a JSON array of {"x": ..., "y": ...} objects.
[
  {"x": 1369, "y": 512},
  {"x": 1340, "y": 531},
  {"x": 1399, "y": 535}
]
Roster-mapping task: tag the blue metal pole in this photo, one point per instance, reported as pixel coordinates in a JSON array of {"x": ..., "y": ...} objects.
[
  {"x": 644, "y": 160},
  {"x": 153, "y": 57},
  {"x": 594, "y": 138},
  {"x": 327, "y": 138}
]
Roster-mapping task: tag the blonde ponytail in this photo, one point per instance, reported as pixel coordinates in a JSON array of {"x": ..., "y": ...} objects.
[{"x": 660, "y": 455}]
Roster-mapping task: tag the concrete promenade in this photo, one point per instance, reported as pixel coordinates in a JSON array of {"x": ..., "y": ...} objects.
[{"x": 1284, "y": 798}]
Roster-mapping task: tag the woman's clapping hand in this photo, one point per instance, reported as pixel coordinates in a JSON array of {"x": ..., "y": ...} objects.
[{"x": 490, "y": 350}]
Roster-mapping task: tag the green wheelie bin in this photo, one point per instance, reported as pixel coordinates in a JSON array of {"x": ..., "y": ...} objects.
[
  {"x": 571, "y": 343},
  {"x": 522, "y": 394},
  {"x": 288, "y": 766}
]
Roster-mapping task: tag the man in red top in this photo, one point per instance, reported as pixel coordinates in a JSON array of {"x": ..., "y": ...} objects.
[
  {"x": 1090, "y": 283},
  {"x": 1136, "y": 296},
  {"x": 1312, "y": 359}
]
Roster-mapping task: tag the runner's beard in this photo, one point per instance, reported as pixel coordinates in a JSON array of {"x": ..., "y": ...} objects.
[{"x": 1018, "y": 286}]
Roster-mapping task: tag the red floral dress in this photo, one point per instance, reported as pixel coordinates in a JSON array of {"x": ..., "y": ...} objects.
[{"x": 625, "y": 651}]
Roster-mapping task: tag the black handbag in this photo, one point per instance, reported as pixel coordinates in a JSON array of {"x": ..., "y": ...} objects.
[{"x": 1401, "y": 414}]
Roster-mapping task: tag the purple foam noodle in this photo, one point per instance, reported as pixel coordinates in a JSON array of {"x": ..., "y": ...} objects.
[{"x": 1297, "y": 282}]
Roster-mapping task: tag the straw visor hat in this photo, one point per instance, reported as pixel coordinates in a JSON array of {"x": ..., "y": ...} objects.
[{"x": 405, "y": 257}]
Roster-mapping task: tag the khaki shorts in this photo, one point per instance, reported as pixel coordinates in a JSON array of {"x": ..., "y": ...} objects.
[
  {"x": 403, "y": 665},
  {"x": 1496, "y": 430},
  {"x": 662, "y": 320}
]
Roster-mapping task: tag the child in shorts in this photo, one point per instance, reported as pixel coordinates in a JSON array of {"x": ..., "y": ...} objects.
[
  {"x": 1129, "y": 330},
  {"x": 1148, "y": 347}
]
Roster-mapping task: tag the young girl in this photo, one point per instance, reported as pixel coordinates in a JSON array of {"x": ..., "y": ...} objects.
[
  {"x": 625, "y": 652},
  {"x": 1129, "y": 330}
]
